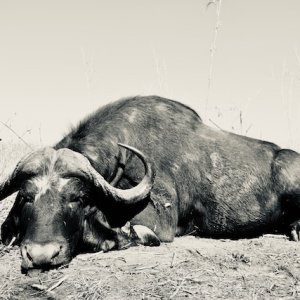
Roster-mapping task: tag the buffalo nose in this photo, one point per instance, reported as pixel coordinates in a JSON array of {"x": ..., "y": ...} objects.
[{"x": 41, "y": 255}]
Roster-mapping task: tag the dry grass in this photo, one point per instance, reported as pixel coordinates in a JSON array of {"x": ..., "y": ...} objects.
[
  {"x": 260, "y": 268},
  {"x": 10, "y": 154}
]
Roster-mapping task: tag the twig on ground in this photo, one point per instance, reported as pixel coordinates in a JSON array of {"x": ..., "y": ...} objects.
[
  {"x": 153, "y": 295},
  {"x": 275, "y": 236},
  {"x": 39, "y": 287},
  {"x": 11, "y": 242},
  {"x": 148, "y": 267},
  {"x": 188, "y": 292},
  {"x": 173, "y": 258},
  {"x": 126, "y": 246},
  {"x": 195, "y": 280},
  {"x": 6, "y": 249},
  {"x": 179, "y": 286},
  {"x": 87, "y": 256},
  {"x": 54, "y": 286},
  {"x": 289, "y": 271}
]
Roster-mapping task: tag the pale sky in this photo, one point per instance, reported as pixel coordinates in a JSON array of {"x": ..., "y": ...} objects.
[{"x": 60, "y": 60}]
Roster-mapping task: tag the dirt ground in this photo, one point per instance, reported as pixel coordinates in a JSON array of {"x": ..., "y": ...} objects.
[{"x": 189, "y": 268}]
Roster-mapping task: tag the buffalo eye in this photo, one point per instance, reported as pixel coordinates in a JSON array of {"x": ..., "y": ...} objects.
[
  {"x": 27, "y": 198},
  {"x": 75, "y": 203},
  {"x": 79, "y": 199}
]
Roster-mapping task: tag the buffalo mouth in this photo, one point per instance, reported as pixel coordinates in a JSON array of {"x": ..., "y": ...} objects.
[
  {"x": 41, "y": 269},
  {"x": 44, "y": 256}
]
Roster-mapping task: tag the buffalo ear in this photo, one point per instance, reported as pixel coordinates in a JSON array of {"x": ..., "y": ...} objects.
[
  {"x": 10, "y": 228},
  {"x": 9, "y": 231},
  {"x": 145, "y": 236}
]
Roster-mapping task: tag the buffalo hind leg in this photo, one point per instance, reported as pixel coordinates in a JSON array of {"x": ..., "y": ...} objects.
[
  {"x": 287, "y": 175},
  {"x": 295, "y": 231}
]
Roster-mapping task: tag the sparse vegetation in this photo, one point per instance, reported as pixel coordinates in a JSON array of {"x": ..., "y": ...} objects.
[{"x": 191, "y": 268}]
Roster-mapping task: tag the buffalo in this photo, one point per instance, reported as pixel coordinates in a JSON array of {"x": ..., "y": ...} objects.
[{"x": 143, "y": 170}]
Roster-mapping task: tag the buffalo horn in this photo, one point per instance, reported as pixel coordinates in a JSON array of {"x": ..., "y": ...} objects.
[{"x": 130, "y": 196}]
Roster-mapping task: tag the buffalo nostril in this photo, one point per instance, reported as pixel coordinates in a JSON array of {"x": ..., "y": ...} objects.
[
  {"x": 27, "y": 253},
  {"x": 28, "y": 256},
  {"x": 56, "y": 253}
]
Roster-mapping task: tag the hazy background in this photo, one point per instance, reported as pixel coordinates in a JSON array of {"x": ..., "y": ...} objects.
[{"x": 60, "y": 60}]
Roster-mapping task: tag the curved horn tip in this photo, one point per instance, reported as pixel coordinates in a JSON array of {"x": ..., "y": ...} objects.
[
  {"x": 133, "y": 149},
  {"x": 140, "y": 191},
  {"x": 124, "y": 146}
]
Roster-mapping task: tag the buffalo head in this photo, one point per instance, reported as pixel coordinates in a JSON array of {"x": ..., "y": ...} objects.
[{"x": 64, "y": 205}]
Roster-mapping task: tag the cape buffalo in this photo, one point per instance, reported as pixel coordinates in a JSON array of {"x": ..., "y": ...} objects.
[{"x": 81, "y": 194}]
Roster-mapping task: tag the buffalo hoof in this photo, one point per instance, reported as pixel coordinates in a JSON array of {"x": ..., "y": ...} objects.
[
  {"x": 295, "y": 231},
  {"x": 146, "y": 236}
]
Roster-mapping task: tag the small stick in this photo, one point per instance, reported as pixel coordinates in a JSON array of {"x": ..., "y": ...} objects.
[
  {"x": 38, "y": 287},
  {"x": 11, "y": 242},
  {"x": 54, "y": 286},
  {"x": 152, "y": 295},
  {"x": 6, "y": 248},
  {"x": 126, "y": 246},
  {"x": 86, "y": 256},
  {"x": 173, "y": 258},
  {"x": 188, "y": 292},
  {"x": 215, "y": 124},
  {"x": 179, "y": 286},
  {"x": 37, "y": 293},
  {"x": 144, "y": 268},
  {"x": 19, "y": 137}
]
